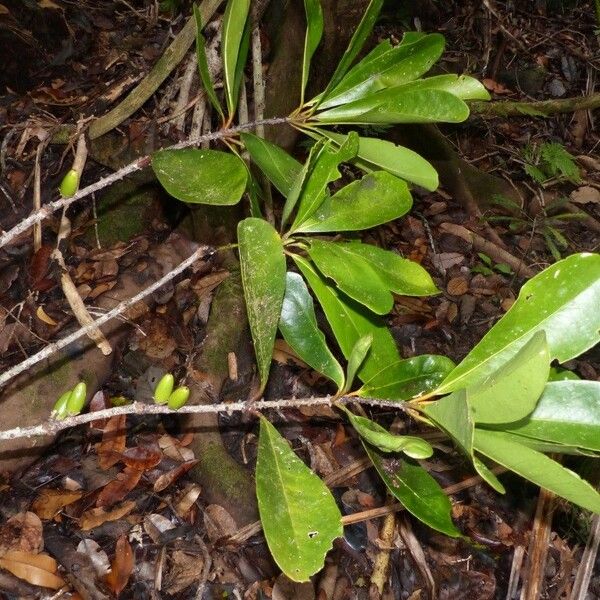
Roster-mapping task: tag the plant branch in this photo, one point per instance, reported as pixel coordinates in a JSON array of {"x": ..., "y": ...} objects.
[
  {"x": 136, "y": 165},
  {"x": 540, "y": 108},
  {"x": 46, "y": 352},
  {"x": 52, "y": 426}
]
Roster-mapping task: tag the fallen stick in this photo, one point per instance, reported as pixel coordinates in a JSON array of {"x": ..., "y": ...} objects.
[{"x": 480, "y": 244}]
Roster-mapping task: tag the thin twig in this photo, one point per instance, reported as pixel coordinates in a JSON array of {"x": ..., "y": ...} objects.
[
  {"x": 46, "y": 352},
  {"x": 52, "y": 427},
  {"x": 132, "y": 167}
]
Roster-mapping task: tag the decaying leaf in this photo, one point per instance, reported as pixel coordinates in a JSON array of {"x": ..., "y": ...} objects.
[
  {"x": 118, "y": 488},
  {"x": 121, "y": 567},
  {"x": 22, "y": 532},
  {"x": 164, "y": 481},
  {"x": 97, "y": 516},
  {"x": 51, "y": 501},
  {"x": 37, "y": 569},
  {"x": 113, "y": 442}
]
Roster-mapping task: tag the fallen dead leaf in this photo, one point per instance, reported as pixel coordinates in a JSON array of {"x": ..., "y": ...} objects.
[
  {"x": 118, "y": 488},
  {"x": 24, "y": 532},
  {"x": 185, "y": 570},
  {"x": 283, "y": 354},
  {"x": 122, "y": 566},
  {"x": 457, "y": 286},
  {"x": 218, "y": 522},
  {"x": 187, "y": 499},
  {"x": 142, "y": 458},
  {"x": 97, "y": 516},
  {"x": 164, "y": 481},
  {"x": 36, "y": 569},
  {"x": 41, "y": 314},
  {"x": 97, "y": 556},
  {"x": 585, "y": 194},
  {"x": 113, "y": 442},
  {"x": 51, "y": 501}
]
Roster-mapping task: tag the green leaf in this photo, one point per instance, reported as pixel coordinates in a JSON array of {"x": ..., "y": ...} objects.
[
  {"x": 314, "y": 31},
  {"x": 203, "y": 64},
  {"x": 280, "y": 168},
  {"x": 547, "y": 447},
  {"x": 562, "y": 300},
  {"x": 353, "y": 275},
  {"x": 374, "y": 154},
  {"x": 377, "y": 436},
  {"x": 298, "y": 324},
  {"x": 324, "y": 171},
  {"x": 201, "y": 176},
  {"x": 558, "y": 374},
  {"x": 300, "y": 180},
  {"x": 396, "y": 106},
  {"x": 375, "y": 199},
  {"x": 349, "y": 324},
  {"x": 241, "y": 62},
  {"x": 386, "y": 66},
  {"x": 356, "y": 359},
  {"x": 417, "y": 490},
  {"x": 512, "y": 391},
  {"x": 453, "y": 415},
  {"x": 262, "y": 263},
  {"x": 537, "y": 468},
  {"x": 234, "y": 25},
  {"x": 399, "y": 275},
  {"x": 407, "y": 378},
  {"x": 461, "y": 86},
  {"x": 299, "y": 515},
  {"x": 567, "y": 413},
  {"x": 359, "y": 37}
]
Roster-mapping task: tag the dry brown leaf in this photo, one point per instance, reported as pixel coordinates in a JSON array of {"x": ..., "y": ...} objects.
[
  {"x": 208, "y": 283},
  {"x": 118, "y": 488},
  {"x": 122, "y": 566},
  {"x": 185, "y": 570},
  {"x": 36, "y": 569},
  {"x": 23, "y": 531},
  {"x": 50, "y": 502},
  {"x": 97, "y": 516},
  {"x": 218, "y": 522},
  {"x": 457, "y": 286},
  {"x": 41, "y": 314},
  {"x": 586, "y": 194},
  {"x": 142, "y": 458},
  {"x": 113, "y": 442},
  {"x": 284, "y": 354},
  {"x": 164, "y": 481},
  {"x": 187, "y": 499}
]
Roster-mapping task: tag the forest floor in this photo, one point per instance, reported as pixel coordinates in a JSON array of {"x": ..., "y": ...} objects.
[{"x": 122, "y": 497}]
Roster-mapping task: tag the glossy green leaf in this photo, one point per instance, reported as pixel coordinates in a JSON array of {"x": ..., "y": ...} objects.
[
  {"x": 314, "y": 31},
  {"x": 512, "y": 391},
  {"x": 203, "y": 64},
  {"x": 359, "y": 37},
  {"x": 353, "y": 275},
  {"x": 374, "y": 154},
  {"x": 350, "y": 322},
  {"x": 280, "y": 168},
  {"x": 417, "y": 490},
  {"x": 298, "y": 324},
  {"x": 408, "y": 378},
  {"x": 549, "y": 447},
  {"x": 357, "y": 358},
  {"x": 386, "y": 66},
  {"x": 201, "y": 176},
  {"x": 562, "y": 300},
  {"x": 399, "y": 275},
  {"x": 234, "y": 25},
  {"x": 262, "y": 264},
  {"x": 395, "y": 106},
  {"x": 241, "y": 62},
  {"x": 299, "y": 516},
  {"x": 324, "y": 171},
  {"x": 375, "y": 199},
  {"x": 453, "y": 414},
  {"x": 567, "y": 413},
  {"x": 376, "y": 435},
  {"x": 537, "y": 468},
  {"x": 558, "y": 374},
  {"x": 300, "y": 180},
  {"x": 461, "y": 86}
]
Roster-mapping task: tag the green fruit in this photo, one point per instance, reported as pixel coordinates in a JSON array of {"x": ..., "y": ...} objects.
[
  {"x": 179, "y": 397},
  {"x": 70, "y": 184},
  {"x": 60, "y": 408},
  {"x": 164, "y": 388},
  {"x": 76, "y": 400}
]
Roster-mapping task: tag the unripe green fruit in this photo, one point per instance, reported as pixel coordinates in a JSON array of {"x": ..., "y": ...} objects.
[
  {"x": 164, "y": 388},
  {"x": 60, "y": 407},
  {"x": 76, "y": 400},
  {"x": 179, "y": 397},
  {"x": 70, "y": 184}
]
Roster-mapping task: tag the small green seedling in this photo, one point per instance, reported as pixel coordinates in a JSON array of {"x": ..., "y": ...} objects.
[
  {"x": 178, "y": 398},
  {"x": 76, "y": 400},
  {"x": 487, "y": 266},
  {"x": 164, "y": 389},
  {"x": 70, "y": 184}
]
